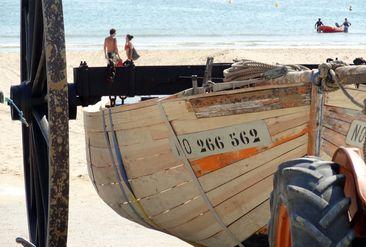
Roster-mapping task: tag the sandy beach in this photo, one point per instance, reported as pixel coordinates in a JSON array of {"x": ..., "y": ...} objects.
[{"x": 92, "y": 222}]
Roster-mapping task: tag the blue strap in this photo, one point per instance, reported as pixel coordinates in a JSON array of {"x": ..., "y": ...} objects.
[{"x": 116, "y": 171}]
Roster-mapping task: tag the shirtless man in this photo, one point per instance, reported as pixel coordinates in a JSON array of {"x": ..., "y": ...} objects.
[{"x": 110, "y": 46}]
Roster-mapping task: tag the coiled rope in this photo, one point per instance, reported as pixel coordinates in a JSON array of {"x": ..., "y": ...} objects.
[{"x": 248, "y": 69}]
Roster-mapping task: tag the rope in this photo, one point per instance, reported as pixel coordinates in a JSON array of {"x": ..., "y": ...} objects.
[
  {"x": 194, "y": 178},
  {"x": 20, "y": 113},
  {"x": 248, "y": 69},
  {"x": 347, "y": 94}
]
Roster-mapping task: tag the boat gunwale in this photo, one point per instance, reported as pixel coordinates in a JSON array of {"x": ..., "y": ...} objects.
[{"x": 152, "y": 102}]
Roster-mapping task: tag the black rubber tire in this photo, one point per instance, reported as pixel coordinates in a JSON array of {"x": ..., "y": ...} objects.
[{"x": 312, "y": 191}]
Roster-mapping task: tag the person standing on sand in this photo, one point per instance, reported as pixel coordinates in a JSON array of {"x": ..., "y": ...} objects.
[
  {"x": 346, "y": 24},
  {"x": 129, "y": 47},
  {"x": 318, "y": 24},
  {"x": 110, "y": 46},
  {"x": 131, "y": 53}
]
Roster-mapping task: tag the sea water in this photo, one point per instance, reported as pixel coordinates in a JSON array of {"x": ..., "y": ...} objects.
[{"x": 199, "y": 24}]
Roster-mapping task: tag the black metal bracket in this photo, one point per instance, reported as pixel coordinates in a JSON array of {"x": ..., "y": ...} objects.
[{"x": 91, "y": 83}]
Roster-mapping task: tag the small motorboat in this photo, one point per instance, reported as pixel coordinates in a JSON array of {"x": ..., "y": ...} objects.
[{"x": 330, "y": 29}]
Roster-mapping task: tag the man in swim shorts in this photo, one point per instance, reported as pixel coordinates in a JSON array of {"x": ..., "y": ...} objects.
[{"x": 110, "y": 46}]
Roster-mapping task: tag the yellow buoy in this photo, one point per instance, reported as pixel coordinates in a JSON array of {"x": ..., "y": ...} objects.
[{"x": 277, "y": 4}]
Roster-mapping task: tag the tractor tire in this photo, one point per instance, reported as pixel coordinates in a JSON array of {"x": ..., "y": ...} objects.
[{"x": 308, "y": 205}]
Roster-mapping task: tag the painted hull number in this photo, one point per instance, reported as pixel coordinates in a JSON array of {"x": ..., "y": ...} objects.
[
  {"x": 222, "y": 140},
  {"x": 356, "y": 134}
]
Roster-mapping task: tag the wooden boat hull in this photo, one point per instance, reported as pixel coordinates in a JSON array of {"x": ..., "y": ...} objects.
[{"x": 164, "y": 163}]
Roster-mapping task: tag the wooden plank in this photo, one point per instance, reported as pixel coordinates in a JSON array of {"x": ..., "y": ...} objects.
[
  {"x": 221, "y": 176},
  {"x": 97, "y": 139},
  {"x": 246, "y": 180},
  {"x": 132, "y": 136},
  {"x": 178, "y": 109},
  {"x": 151, "y": 160},
  {"x": 103, "y": 175},
  {"x": 214, "y": 162},
  {"x": 243, "y": 228},
  {"x": 92, "y": 121},
  {"x": 145, "y": 185},
  {"x": 99, "y": 157},
  {"x": 337, "y": 125},
  {"x": 280, "y": 124},
  {"x": 191, "y": 126},
  {"x": 158, "y": 132},
  {"x": 124, "y": 120},
  {"x": 337, "y": 98},
  {"x": 276, "y": 85},
  {"x": 181, "y": 214},
  {"x": 140, "y": 117},
  {"x": 219, "y": 194},
  {"x": 325, "y": 156},
  {"x": 344, "y": 114},
  {"x": 251, "y": 106},
  {"x": 163, "y": 180},
  {"x": 333, "y": 137},
  {"x": 111, "y": 193},
  {"x": 328, "y": 148},
  {"x": 139, "y": 160},
  {"x": 135, "y": 106},
  {"x": 168, "y": 199},
  {"x": 248, "y": 102},
  {"x": 231, "y": 210},
  {"x": 289, "y": 134}
]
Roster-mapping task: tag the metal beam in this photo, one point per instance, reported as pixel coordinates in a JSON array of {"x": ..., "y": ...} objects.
[{"x": 91, "y": 83}]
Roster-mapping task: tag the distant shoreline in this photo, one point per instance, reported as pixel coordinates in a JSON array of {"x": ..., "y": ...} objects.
[
  {"x": 182, "y": 42},
  {"x": 95, "y": 48}
]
